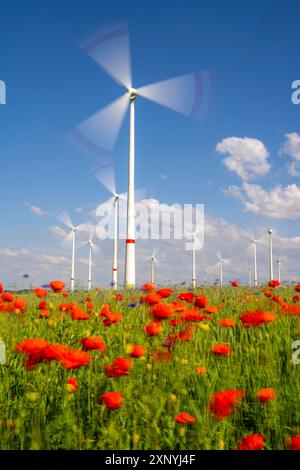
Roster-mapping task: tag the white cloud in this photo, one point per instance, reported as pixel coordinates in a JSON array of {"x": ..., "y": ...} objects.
[
  {"x": 278, "y": 203},
  {"x": 162, "y": 177},
  {"x": 35, "y": 210},
  {"x": 291, "y": 148},
  {"x": 247, "y": 156},
  {"x": 57, "y": 231}
]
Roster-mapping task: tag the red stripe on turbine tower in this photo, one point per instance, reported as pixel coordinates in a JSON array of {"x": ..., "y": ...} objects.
[{"x": 130, "y": 240}]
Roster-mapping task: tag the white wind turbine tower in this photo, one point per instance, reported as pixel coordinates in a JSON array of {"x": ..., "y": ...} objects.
[
  {"x": 153, "y": 268},
  {"x": 249, "y": 276},
  {"x": 64, "y": 217},
  {"x": 278, "y": 261},
  {"x": 221, "y": 262},
  {"x": 188, "y": 94},
  {"x": 194, "y": 261},
  {"x": 270, "y": 232},
  {"x": 254, "y": 242},
  {"x": 93, "y": 248},
  {"x": 106, "y": 175}
]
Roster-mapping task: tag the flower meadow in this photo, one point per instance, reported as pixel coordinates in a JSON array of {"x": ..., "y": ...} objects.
[{"x": 161, "y": 369}]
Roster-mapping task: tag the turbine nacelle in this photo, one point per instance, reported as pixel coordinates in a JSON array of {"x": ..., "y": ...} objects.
[{"x": 132, "y": 94}]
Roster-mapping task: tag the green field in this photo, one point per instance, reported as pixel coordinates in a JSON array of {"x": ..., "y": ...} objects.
[{"x": 39, "y": 411}]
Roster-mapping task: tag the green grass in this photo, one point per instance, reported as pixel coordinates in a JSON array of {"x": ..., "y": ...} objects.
[{"x": 37, "y": 412}]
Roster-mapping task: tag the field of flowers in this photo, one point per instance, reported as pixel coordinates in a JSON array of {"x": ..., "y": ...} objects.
[{"x": 150, "y": 369}]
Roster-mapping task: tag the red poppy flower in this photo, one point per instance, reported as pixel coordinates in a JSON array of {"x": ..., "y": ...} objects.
[
  {"x": 151, "y": 299},
  {"x": 94, "y": 342},
  {"x": 65, "y": 294},
  {"x": 20, "y": 304},
  {"x": 112, "y": 400},
  {"x": 200, "y": 301},
  {"x": 224, "y": 403},
  {"x": 201, "y": 370},
  {"x": 252, "y": 442},
  {"x": 211, "y": 309},
  {"x": 54, "y": 352},
  {"x": 1, "y": 287},
  {"x": 186, "y": 296},
  {"x": 112, "y": 317},
  {"x": 165, "y": 292},
  {"x": 79, "y": 314},
  {"x": 40, "y": 292},
  {"x": 118, "y": 297},
  {"x": 57, "y": 286},
  {"x": 34, "y": 350},
  {"x": 185, "y": 418},
  {"x": 294, "y": 442},
  {"x": 73, "y": 384},
  {"x": 183, "y": 335},
  {"x": 297, "y": 288},
  {"x": 192, "y": 315},
  {"x": 277, "y": 299},
  {"x": 44, "y": 314},
  {"x": 227, "y": 322},
  {"x": 221, "y": 349},
  {"x": 174, "y": 322},
  {"x": 32, "y": 345},
  {"x": 291, "y": 309},
  {"x": 137, "y": 351},
  {"x": 149, "y": 287},
  {"x": 268, "y": 294},
  {"x": 42, "y": 305},
  {"x": 257, "y": 318},
  {"x": 296, "y": 298},
  {"x": 72, "y": 359},
  {"x": 153, "y": 329},
  {"x": 7, "y": 297},
  {"x": 266, "y": 394},
  {"x": 120, "y": 367},
  {"x": 274, "y": 283},
  {"x": 235, "y": 283},
  {"x": 161, "y": 311}
]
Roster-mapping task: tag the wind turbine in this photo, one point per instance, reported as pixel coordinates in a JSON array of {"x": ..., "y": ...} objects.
[
  {"x": 270, "y": 232},
  {"x": 194, "y": 262},
  {"x": 64, "y": 217},
  {"x": 188, "y": 94},
  {"x": 221, "y": 262},
  {"x": 153, "y": 268},
  {"x": 92, "y": 248},
  {"x": 278, "y": 261},
  {"x": 254, "y": 243},
  {"x": 249, "y": 276}
]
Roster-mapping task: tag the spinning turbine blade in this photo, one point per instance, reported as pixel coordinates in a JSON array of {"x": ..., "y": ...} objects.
[
  {"x": 97, "y": 134},
  {"x": 109, "y": 47},
  {"x": 64, "y": 217},
  {"x": 67, "y": 241},
  {"x": 105, "y": 174},
  {"x": 189, "y": 94}
]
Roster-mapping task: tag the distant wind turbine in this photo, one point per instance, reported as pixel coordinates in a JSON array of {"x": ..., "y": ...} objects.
[
  {"x": 278, "y": 261},
  {"x": 270, "y": 232},
  {"x": 93, "y": 248},
  {"x": 64, "y": 217}
]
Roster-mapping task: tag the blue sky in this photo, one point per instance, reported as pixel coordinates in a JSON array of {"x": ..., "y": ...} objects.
[{"x": 52, "y": 85}]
